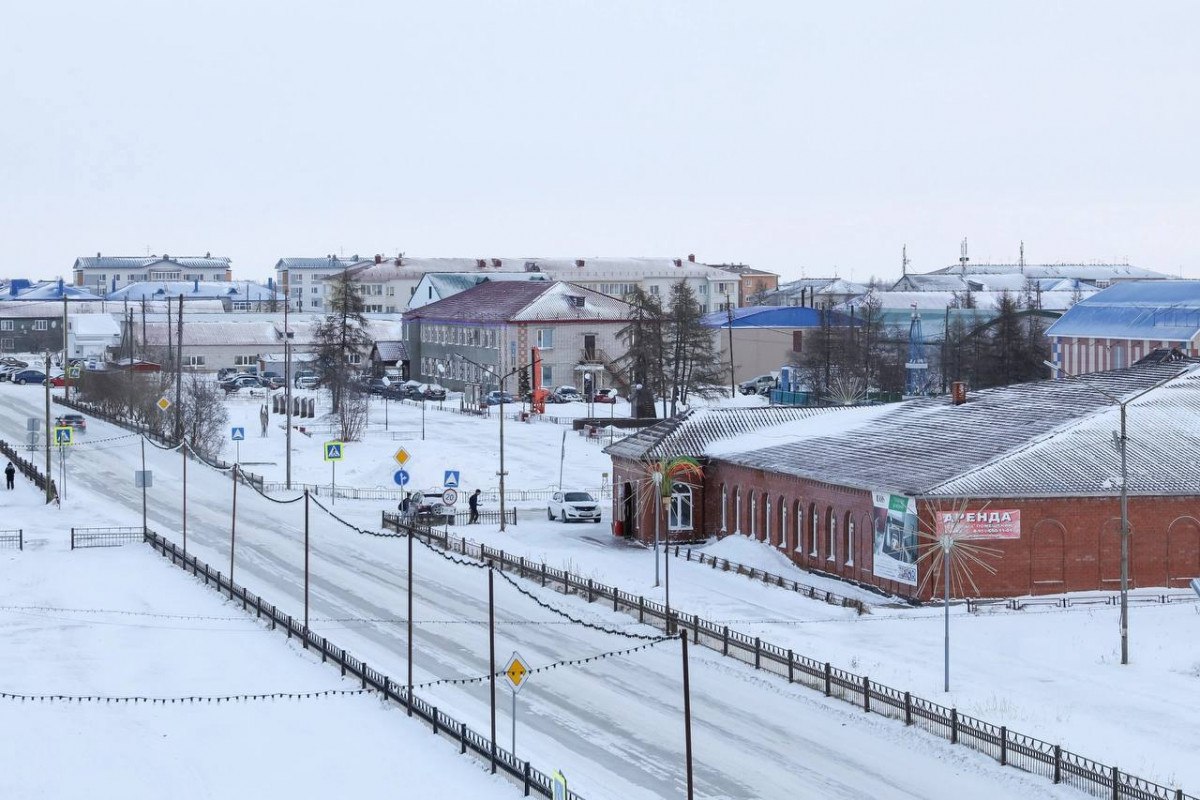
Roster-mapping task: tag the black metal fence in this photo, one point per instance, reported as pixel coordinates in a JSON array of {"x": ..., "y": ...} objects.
[
  {"x": 1008, "y": 747},
  {"x": 104, "y": 537},
  {"x": 725, "y": 565},
  {"x": 28, "y": 469},
  {"x": 533, "y": 781},
  {"x": 13, "y": 538}
]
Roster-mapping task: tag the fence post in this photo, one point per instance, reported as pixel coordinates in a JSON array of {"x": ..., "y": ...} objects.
[
  {"x": 72, "y": 538},
  {"x": 866, "y": 693},
  {"x": 907, "y": 708},
  {"x": 757, "y": 652},
  {"x": 343, "y": 662},
  {"x": 791, "y": 666},
  {"x": 526, "y": 778},
  {"x": 725, "y": 641},
  {"x": 543, "y": 574},
  {"x": 1116, "y": 776},
  {"x": 1057, "y": 764},
  {"x": 828, "y": 679},
  {"x": 462, "y": 736},
  {"x": 954, "y": 726},
  {"x": 589, "y": 587},
  {"x": 362, "y": 668},
  {"x": 641, "y": 609},
  {"x": 616, "y": 596},
  {"x": 1003, "y": 745},
  {"x": 434, "y": 715}
]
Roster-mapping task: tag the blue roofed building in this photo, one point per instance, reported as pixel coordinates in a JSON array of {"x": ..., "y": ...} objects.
[
  {"x": 1127, "y": 322},
  {"x": 765, "y": 338}
]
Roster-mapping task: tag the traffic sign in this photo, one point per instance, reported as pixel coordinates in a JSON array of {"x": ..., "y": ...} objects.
[
  {"x": 516, "y": 672},
  {"x": 400, "y": 477},
  {"x": 143, "y": 478},
  {"x": 163, "y": 403},
  {"x": 449, "y": 497},
  {"x": 33, "y": 423},
  {"x": 238, "y": 434},
  {"x": 402, "y": 456},
  {"x": 451, "y": 479},
  {"x": 333, "y": 451},
  {"x": 560, "y": 785},
  {"x": 62, "y": 434},
  {"x": 73, "y": 372}
]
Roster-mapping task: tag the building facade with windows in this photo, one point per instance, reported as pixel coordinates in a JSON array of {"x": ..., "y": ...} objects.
[
  {"x": 469, "y": 339},
  {"x": 302, "y": 280},
  {"x": 1028, "y": 471},
  {"x": 103, "y": 274}
]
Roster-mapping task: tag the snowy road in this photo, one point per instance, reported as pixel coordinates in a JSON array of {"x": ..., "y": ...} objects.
[{"x": 614, "y": 726}]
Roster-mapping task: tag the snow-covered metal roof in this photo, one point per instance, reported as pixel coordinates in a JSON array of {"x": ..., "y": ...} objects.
[
  {"x": 140, "y": 262},
  {"x": 690, "y": 433},
  {"x": 1157, "y": 310},
  {"x": 54, "y": 290},
  {"x": 984, "y": 301},
  {"x": 1045, "y": 438},
  {"x": 197, "y": 334},
  {"x": 790, "y": 317},
  {"x": 1088, "y": 272},
  {"x": 234, "y": 291},
  {"x": 519, "y": 301}
]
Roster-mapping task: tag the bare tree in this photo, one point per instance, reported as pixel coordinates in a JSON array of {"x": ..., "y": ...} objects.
[{"x": 352, "y": 415}]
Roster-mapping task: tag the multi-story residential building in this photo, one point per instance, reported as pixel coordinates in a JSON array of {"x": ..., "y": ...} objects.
[
  {"x": 104, "y": 274},
  {"x": 302, "y": 280},
  {"x": 392, "y": 282},
  {"x": 233, "y": 295},
  {"x": 472, "y": 339},
  {"x": 754, "y": 284}
]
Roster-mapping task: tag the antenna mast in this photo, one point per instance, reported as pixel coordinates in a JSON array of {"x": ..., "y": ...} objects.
[
  {"x": 1021, "y": 260},
  {"x": 962, "y": 256},
  {"x": 904, "y": 262}
]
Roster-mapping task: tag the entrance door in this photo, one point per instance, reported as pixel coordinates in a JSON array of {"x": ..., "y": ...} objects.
[
  {"x": 589, "y": 346},
  {"x": 629, "y": 509}
]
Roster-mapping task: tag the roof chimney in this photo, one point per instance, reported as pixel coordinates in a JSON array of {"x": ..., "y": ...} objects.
[
  {"x": 97, "y": 254},
  {"x": 378, "y": 258},
  {"x": 480, "y": 263},
  {"x": 678, "y": 262},
  {"x": 579, "y": 262},
  {"x": 208, "y": 254},
  {"x": 496, "y": 263},
  {"x": 692, "y": 257},
  {"x": 958, "y": 392},
  {"x": 399, "y": 261}
]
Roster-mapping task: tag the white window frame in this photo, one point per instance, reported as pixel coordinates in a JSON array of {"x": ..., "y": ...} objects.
[
  {"x": 194, "y": 361},
  {"x": 41, "y": 325},
  {"x": 737, "y": 510},
  {"x": 831, "y": 538},
  {"x": 783, "y": 523},
  {"x": 850, "y": 542},
  {"x": 724, "y": 509},
  {"x": 813, "y": 532},
  {"x": 681, "y": 513},
  {"x": 545, "y": 335},
  {"x": 753, "y": 515},
  {"x": 767, "y": 525}
]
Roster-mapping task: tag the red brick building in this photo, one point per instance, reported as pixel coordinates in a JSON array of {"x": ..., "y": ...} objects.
[{"x": 1030, "y": 471}]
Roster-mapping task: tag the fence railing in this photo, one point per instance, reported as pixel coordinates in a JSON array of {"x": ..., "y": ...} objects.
[
  {"x": 14, "y": 537},
  {"x": 1008, "y": 747},
  {"x": 505, "y": 762},
  {"x": 1157, "y": 597},
  {"x": 725, "y": 565},
  {"x": 511, "y": 496},
  {"x": 28, "y": 469},
  {"x": 104, "y": 537}
]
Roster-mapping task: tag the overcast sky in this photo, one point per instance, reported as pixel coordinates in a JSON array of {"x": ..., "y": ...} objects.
[{"x": 796, "y": 137}]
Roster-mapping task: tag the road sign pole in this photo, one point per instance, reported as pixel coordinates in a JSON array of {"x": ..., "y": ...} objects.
[
  {"x": 333, "y": 482},
  {"x": 233, "y": 527},
  {"x": 408, "y": 700},
  {"x": 492, "y": 660},
  {"x": 143, "y": 486},
  {"x": 306, "y": 561},
  {"x": 237, "y": 450},
  {"x": 514, "y": 722}
]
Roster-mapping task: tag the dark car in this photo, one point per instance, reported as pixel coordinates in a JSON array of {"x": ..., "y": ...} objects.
[
  {"x": 225, "y": 373},
  {"x": 28, "y": 376},
  {"x": 240, "y": 382},
  {"x": 377, "y": 385},
  {"x": 76, "y": 421},
  {"x": 496, "y": 397},
  {"x": 395, "y": 391},
  {"x": 431, "y": 391}
]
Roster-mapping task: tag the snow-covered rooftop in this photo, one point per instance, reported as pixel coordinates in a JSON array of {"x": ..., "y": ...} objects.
[
  {"x": 691, "y": 433},
  {"x": 1155, "y": 310}
]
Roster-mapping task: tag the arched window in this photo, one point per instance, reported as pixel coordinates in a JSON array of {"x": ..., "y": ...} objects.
[
  {"x": 814, "y": 530},
  {"x": 737, "y": 510},
  {"x": 724, "y": 509},
  {"x": 830, "y": 536},
  {"x": 849, "y": 540},
  {"x": 753, "y": 515},
  {"x": 799, "y": 540},
  {"x": 679, "y": 517},
  {"x": 783, "y": 524},
  {"x": 767, "y": 526}
]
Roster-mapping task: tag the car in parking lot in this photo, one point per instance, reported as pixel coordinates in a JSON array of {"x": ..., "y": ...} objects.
[
  {"x": 430, "y": 391},
  {"x": 605, "y": 396},
  {"x": 28, "y": 376},
  {"x": 308, "y": 382},
  {"x": 61, "y": 380},
  {"x": 377, "y": 385},
  {"x": 76, "y": 421},
  {"x": 496, "y": 397},
  {"x": 240, "y": 382},
  {"x": 567, "y": 394},
  {"x": 573, "y": 506}
]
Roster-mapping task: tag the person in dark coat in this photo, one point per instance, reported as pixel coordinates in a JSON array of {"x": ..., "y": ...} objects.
[
  {"x": 473, "y": 502},
  {"x": 10, "y": 472}
]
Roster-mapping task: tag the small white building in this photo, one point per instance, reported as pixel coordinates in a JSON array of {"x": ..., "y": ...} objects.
[{"x": 89, "y": 336}]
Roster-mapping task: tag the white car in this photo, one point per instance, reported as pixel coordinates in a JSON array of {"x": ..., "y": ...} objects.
[{"x": 578, "y": 506}]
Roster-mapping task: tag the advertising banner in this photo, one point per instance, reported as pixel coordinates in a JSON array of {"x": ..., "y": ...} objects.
[
  {"x": 895, "y": 517},
  {"x": 985, "y": 524}
]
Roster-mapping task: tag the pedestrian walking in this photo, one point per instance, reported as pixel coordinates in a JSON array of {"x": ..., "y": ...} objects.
[
  {"x": 10, "y": 472},
  {"x": 405, "y": 517},
  {"x": 473, "y": 502}
]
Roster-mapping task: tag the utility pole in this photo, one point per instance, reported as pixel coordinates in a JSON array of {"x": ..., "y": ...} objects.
[
  {"x": 287, "y": 377},
  {"x": 49, "y": 493},
  {"x": 729, "y": 322},
  {"x": 179, "y": 379},
  {"x": 65, "y": 360}
]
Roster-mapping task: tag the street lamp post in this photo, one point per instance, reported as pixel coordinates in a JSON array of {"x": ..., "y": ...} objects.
[{"x": 1121, "y": 440}]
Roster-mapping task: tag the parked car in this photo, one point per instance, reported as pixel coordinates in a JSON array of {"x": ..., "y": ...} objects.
[
  {"x": 567, "y": 394},
  {"x": 28, "y": 376},
  {"x": 272, "y": 382},
  {"x": 605, "y": 396},
  {"x": 225, "y": 373},
  {"x": 308, "y": 382},
  {"x": 377, "y": 385},
  {"x": 76, "y": 421},
  {"x": 240, "y": 382},
  {"x": 762, "y": 384},
  {"x": 300, "y": 375},
  {"x": 577, "y": 506},
  {"x": 496, "y": 397},
  {"x": 60, "y": 380},
  {"x": 395, "y": 391},
  {"x": 431, "y": 391}
]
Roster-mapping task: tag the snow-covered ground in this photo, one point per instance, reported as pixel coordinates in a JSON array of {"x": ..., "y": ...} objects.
[{"x": 613, "y": 725}]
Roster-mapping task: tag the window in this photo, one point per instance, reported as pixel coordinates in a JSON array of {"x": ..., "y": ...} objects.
[
  {"x": 679, "y": 518},
  {"x": 354, "y": 358},
  {"x": 316, "y": 289},
  {"x": 40, "y": 325},
  {"x": 547, "y": 374},
  {"x": 783, "y": 520},
  {"x": 545, "y": 338},
  {"x": 245, "y": 361},
  {"x": 737, "y": 510},
  {"x": 767, "y": 529},
  {"x": 7, "y": 344},
  {"x": 654, "y": 290},
  {"x": 797, "y": 341},
  {"x": 724, "y": 509},
  {"x": 849, "y": 541},
  {"x": 831, "y": 537},
  {"x": 315, "y": 303},
  {"x": 754, "y": 516},
  {"x": 6, "y": 324},
  {"x": 814, "y": 531},
  {"x": 194, "y": 361}
]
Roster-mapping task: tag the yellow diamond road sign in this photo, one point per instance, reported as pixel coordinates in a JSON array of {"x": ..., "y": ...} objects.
[
  {"x": 164, "y": 403},
  {"x": 516, "y": 672},
  {"x": 402, "y": 457}
]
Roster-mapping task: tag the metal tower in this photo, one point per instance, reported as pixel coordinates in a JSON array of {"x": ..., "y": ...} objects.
[{"x": 916, "y": 366}]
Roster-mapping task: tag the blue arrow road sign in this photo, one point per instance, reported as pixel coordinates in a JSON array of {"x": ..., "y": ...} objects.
[
  {"x": 401, "y": 477},
  {"x": 238, "y": 434},
  {"x": 451, "y": 479}
]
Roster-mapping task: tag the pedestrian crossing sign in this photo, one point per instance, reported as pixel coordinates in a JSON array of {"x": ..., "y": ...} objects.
[
  {"x": 333, "y": 451},
  {"x": 451, "y": 479},
  {"x": 62, "y": 434}
]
